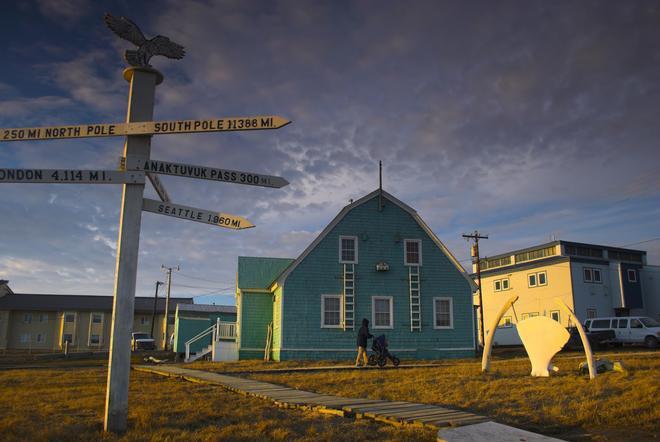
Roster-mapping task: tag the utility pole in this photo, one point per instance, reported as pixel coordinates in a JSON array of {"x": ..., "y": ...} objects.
[
  {"x": 153, "y": 316},
  {"x": 167, "y": 301},
  {"x": 476, "y": 236}
]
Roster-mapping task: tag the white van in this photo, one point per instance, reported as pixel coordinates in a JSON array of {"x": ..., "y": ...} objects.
[{"x": 628, "y": 329}]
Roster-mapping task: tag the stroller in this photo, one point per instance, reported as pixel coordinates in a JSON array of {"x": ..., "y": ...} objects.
[{"x": 381, "y": 354}]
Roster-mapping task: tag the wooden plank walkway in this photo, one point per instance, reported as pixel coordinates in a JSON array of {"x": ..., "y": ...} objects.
[{"x": 391, "y": 412}]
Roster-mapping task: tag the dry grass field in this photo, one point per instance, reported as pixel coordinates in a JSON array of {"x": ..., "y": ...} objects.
[
  {"x": 615, "y": 406},
  {"x": 67, "y": 404}
]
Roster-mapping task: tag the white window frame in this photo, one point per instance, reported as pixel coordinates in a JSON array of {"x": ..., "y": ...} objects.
[
  {"x": 545, "y": 276},
  {"x": 144, "y": 320},
  {"x": 94, "y": 344},
  {"x": 507, "y": 322},
  {"x": 341, "y": 311},
  {"x": 69, "y": 313},
  {"x": 405, "y": 252},
  {"x": 451, "y": 313},
  {"x": 600, "y": 276},
  {"x": 373, "y": 312},
  {"x": 524, "y": 316},
  {"x": 508, "y": 284},
  {"x": 595, "y": 313},
  {"x": 92, "y": 318},
  {"x": 43, "y": 317},
  {"x": 27, "y": 318},
  {"x": 355, "y": 241},
  {"x": 584, "y": 274},
  {"x": 634, "y": 273},
  {"x": 495, "y": 283},
  {"x": 41, "y": 337},
  {"x": 558, "y": 315},
  {"x": 25, "y": 338},
  {"x": 536, "y": 280}
]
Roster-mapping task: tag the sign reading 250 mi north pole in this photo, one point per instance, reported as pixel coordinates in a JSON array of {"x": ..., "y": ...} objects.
[{"x": 143, "y": 128}]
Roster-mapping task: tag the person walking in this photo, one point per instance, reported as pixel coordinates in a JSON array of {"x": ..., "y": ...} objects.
[{"x": 363, "y": 336}]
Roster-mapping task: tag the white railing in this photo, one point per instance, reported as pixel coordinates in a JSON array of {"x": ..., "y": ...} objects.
[{"x": 221, "y": 330}]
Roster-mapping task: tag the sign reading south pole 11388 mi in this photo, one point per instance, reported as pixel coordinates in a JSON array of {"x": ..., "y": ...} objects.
[{"x": 143, "y": 128}]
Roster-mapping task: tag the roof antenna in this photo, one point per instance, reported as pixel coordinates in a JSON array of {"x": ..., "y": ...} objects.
[{"x": 380, "y": 186}]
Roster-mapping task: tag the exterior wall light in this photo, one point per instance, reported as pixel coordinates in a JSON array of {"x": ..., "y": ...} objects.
[{"x": 382, "y": 267}]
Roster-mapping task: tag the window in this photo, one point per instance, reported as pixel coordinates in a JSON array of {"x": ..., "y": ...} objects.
[
  {"x": 542, "y": 278},
  {"x": 632, "y": 275},
  {"x": 382, "y": 310},
  {"x": 601, "y": 323},
  {"x": 505, "y": 322},
  {"x": 144, "y": 320},
  {"x": 97, "y": 318},
  {"x": 94, "y": 340},
  {"x": 330, "y": 311},
  {"x": 537, "y": 279},
  {"x": 69, "y": 317},
  {"x": 502, "y": 284},
  {"x": 505, "y": 284},
  {"x": 67, "y": 337},
  {"x": 498, "y": 286},
  {"x": 27, "y": 318},
  {"x": 588, "y": 275},
  {"x": 25, "y": 338},
  {"x": 634, "y": 323},
  {"x": 597, "y": 277},
  {"x": 40, "y": 338},
  {"x": 348, "y": 253},
  {"x": 43, "y": 317},
  {"x": 443, "y": 313},
  {"x": 591, "y": 313},
  {"x": 554, "y": 314},
  {"x": 531, "y": 280},
  {"x": 533, "y": 314},
  {"x": 413, "y": 252},
  {"x": 623, "y": 323}
]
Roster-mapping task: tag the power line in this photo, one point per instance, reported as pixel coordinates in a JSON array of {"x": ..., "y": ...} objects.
[
  {"x": 641, "y": 242},
  {"x": 201, "y": 279}
]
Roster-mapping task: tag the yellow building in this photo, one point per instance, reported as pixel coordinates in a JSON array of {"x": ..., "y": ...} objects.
[
  {"x": 592, "y": 280},
  {"x": 44, "y": 323}
]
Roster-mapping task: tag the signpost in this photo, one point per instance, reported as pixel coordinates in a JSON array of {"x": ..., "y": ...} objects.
[
  {"x": 193, "y": 214},
  {"x": 138, "y": 129},
  {"x": 227, "y": 124},
  {"x": 68, "y": 176},
  {"x": 210, "y": 173}
]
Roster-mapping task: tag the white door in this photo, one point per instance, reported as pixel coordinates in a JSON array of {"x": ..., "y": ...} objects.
[{"x": 637, "y": 331}]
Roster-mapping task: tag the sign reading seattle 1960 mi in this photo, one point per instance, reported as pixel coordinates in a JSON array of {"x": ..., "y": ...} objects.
[
  {"x": 194, "y": 214},
  {"x": 143, "y": 128},
  {"x": 210, "y": 173},
  {"x": 69, "y": 176}
]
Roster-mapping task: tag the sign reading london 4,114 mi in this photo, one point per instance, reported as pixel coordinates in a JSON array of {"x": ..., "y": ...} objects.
[
  {"x": 69, "y": 176},
  {"x": 143, "y": 128},
  {"x": 193, "y": 214},
  {"x": 210, "y": 173}
]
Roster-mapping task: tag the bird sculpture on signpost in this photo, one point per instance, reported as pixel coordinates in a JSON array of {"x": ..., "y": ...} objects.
[{"x": 158, "y": 45}]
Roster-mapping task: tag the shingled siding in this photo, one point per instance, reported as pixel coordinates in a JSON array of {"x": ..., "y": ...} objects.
[
  {"x": 380, "y": 238},
  {"x": 256, "y": 312}
]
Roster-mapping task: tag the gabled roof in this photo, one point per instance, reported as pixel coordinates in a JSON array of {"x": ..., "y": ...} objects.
[
  {"x": 398, "y": 203},
  {"x": 259, "y": 273},
  {"x": 58, "y": 303}
]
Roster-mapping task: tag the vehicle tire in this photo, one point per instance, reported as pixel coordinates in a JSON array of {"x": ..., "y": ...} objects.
[
  {"x": 373, "y": 360},
  {"x": 382, "y": 361},
  {"x": 395, "y": 361},
  {"x": 651, "y": 342}
]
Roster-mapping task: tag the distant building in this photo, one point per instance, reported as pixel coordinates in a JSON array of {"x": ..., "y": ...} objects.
[
  {"x": 193, "y": 320},
  {"x": 376, "y": 261},
  {"x": 594, "y": 280},
  {"x": 45, "y": 322}
]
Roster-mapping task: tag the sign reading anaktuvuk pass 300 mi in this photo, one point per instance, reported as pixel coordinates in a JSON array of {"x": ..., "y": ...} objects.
[{"x": 143, "y": 128}]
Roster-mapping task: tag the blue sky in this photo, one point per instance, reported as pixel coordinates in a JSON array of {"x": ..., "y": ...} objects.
[{"x": 527, "y": 120}]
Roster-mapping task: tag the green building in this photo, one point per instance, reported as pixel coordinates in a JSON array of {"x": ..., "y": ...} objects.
[
  {"x": 193, "y": 323},
  {"x": 378, "y": 260}
]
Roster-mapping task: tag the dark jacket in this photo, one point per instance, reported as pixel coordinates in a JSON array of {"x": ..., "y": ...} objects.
[{"x": 364, "y": 334}]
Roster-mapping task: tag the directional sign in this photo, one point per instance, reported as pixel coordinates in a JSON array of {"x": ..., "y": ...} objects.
[
  {"x": 210, "y": 173},
  {"x": 68, "y": 176},
  {"x": 199, "y": 215},
  {"x": 143, "y": 128}
]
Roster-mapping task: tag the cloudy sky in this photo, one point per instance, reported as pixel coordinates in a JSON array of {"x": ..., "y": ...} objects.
[{"x": 527, "y": 120}]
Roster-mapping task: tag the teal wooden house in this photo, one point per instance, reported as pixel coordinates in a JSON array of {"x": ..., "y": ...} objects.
[{"x": 378, "y": 260}]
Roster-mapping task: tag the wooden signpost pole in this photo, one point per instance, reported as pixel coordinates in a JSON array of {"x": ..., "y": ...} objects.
[{"x": 143, "y": 83}]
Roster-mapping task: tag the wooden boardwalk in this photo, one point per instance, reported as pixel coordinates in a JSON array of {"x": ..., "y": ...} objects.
[{"x": 391, "y": 412}]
